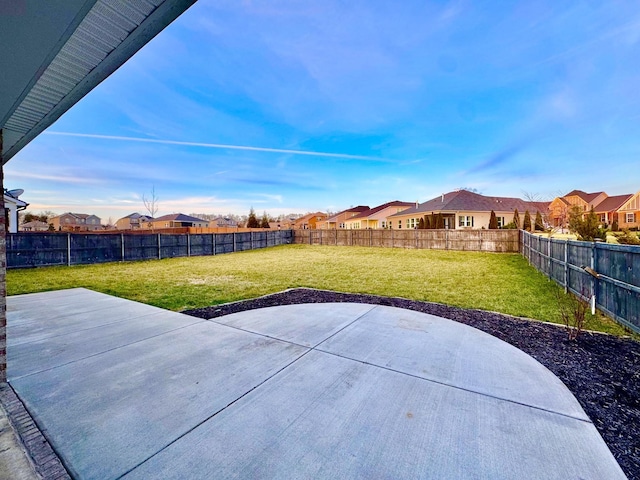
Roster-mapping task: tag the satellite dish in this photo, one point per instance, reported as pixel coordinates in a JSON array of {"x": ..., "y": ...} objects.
[{"x": 16, "y": 193}]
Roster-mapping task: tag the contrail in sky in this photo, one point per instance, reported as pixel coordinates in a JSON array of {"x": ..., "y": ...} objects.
[{"x": 220, "y": 146}]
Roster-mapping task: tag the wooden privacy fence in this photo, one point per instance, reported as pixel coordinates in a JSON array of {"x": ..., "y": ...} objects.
[
  {"x": 48, "y": 249},
  {"x": 474, "y": 240},
  {"x": 617, "y": 286}
]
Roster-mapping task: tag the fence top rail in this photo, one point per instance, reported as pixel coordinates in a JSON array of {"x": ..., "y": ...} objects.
[{"x": 583, "y": 243}]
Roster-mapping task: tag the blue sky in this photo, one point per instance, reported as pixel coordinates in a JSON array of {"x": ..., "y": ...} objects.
[{"x": 319, "y": 105}]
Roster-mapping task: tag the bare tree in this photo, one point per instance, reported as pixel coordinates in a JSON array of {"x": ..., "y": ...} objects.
[{"x": 151, "y": 203}]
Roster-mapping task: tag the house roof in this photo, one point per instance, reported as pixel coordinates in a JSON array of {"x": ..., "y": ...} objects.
[
  {"x": 56, "y": 53},
  {"x": 463, "y": 200},
  {"x": 35, "y": 224},
  {"x": 77, "y": 215},
  {"x": 373, "y": 211},
  {"x": 358, "y": 209},
  {"x": 179, "y": 217},
  {"x": 309, "y": 216},
  {"x": 587, "y": 197},
  {"x": 611, "y": 204}
]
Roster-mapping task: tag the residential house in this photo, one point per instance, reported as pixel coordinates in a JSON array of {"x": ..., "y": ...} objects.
[
  {"x": 223, "y": 222},
  {"x": 607, "y": 210},
  {"x": 75, "y": 222},
  {"x": 176, "y": 220},
  {"x": 338, "y": 220},
  {"x": 560, "y": 207},
  {"x": 377, "y": 217},
  {"x": 629, "y": 212},
  {"x": 466, "y": 210},
  {"x": 309, "y": 221},
  {"x": 625, "y": 208},
  {"x": 135, "y": 221},
  {"x": 34, "y": 226},
  {"x": 12, "y": 205}
]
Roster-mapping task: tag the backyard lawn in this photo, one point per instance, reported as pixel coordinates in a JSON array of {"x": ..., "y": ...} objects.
[{"x": 502, "y": 283}]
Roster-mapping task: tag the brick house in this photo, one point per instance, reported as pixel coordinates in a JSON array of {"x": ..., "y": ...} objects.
[
  {"x": 377, "y": 217},
  {"x": 338, "y": 220},
  {"x": 135, "y": 221}
]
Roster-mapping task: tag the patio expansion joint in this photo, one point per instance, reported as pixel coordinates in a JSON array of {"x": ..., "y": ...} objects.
[
  {"x": 194, "y": 427},
  {"x": 105, "y": 351},
  {"x": 445, "y": 384},
  {"x": 88, "y": 328},
  {"x": 457, "y": 387}
]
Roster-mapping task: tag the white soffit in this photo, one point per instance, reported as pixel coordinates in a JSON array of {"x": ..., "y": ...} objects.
[{"x": 108, "y": 35}]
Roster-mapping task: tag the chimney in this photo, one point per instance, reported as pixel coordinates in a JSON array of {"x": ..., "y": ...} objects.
[
  {"x": 443, "y": 198},
  {"x": 416, "y": 203}
]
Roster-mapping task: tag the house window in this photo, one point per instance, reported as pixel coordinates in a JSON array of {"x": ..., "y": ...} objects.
[
  {"x": 500, "y": 222},
  {"x": 465, "y": 221},
  {"x": 399, "y": 223},
  {"x": 411, "y": 223},
  {"x": 631, "y": 217},
  {"x": 603, "y": 218},
  {"x": 342, "y": 225}
]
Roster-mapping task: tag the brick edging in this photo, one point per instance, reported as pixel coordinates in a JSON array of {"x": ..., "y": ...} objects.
[{"x": 46, "y": 462}]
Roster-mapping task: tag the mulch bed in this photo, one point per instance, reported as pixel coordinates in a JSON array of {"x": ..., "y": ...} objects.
[{"x": 602, "y": 371}]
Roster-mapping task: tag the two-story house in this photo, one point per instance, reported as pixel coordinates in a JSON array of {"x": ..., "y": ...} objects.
[{"x": 76, "y": 222}]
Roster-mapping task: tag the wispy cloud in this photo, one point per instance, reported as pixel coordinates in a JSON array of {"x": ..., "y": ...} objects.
[
  {"x": 219, "y": 146},
  {"x": 24, "y": 175}
]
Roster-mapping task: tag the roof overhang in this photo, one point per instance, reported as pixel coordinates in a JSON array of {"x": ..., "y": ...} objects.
[{"x": 53, "y": 53}]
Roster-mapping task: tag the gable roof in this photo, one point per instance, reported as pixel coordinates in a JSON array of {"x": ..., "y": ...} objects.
[
  {"x": 179, "y": 217},
  {"x": 587, "y": 197},
  {"x": 463, "y": 200},
  {"x": 358, "y": 209},
  {"x": 308, "y": 216},
  {"x": 373, "y": 211},
  {"x": 611, "y": 204}
]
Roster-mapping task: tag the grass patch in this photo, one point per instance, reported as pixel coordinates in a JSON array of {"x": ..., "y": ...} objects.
[{"x": 502, "y": 283}]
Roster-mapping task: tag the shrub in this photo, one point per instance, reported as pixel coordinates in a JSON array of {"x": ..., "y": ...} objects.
[
  {"x": 538, "y": 222},
  {"x": 573, "y": 311},
  {"x": 586, "y": 228},
  {"x": 516, "y": 218},
  {"x": 493, "y": 221},
  {"x": 614, "y": 224},
  {"x": 526, "y": 223},
  {"x": 628, "y": 238}
]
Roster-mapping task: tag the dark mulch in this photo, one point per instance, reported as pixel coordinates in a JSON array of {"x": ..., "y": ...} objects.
[{"x": 602, "y": 371}]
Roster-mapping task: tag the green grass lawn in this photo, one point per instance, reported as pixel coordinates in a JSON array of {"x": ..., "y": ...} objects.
[{"x": 498, "y": 282}]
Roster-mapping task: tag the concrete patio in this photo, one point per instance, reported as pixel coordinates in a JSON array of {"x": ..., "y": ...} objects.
[{"x": 126, "y": 390}]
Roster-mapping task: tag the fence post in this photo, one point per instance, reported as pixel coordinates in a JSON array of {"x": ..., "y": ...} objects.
[
  {"x": 251, "y": 239},
  {"x": 320, "y": 236},
  {"x": 122, "y": 245},
  {"x": 549, "y": 254},
  {"x": 213, "y": 244},
  {"x": 594, "y": 280},
  {"x": 446, "y": 239},
  {"x": 371, "y": 238},
  {"x": 68, "y": 249},
  {"x": 159, "y": 250},
  {"x": 234, "y": 242},
  {"x": 392, "y": 241},
  {"x": 566, "y": 265},
  {"x": 188, "y": 244}
]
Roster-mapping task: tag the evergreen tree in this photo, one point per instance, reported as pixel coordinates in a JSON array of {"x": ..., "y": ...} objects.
[
  {"x": 516, "y": 219},
  {"x": 264, "y": 223},
  {"x": 421, "y": 224},
  {"x": 493, "y": 221},
  {"x": 252, "y": 220},
  {"x": 539, "y": 225},
  {"x": 427, "y": 222},
  {"x": 439, "y": 221},
  {"x": 526, "y": 224}
]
